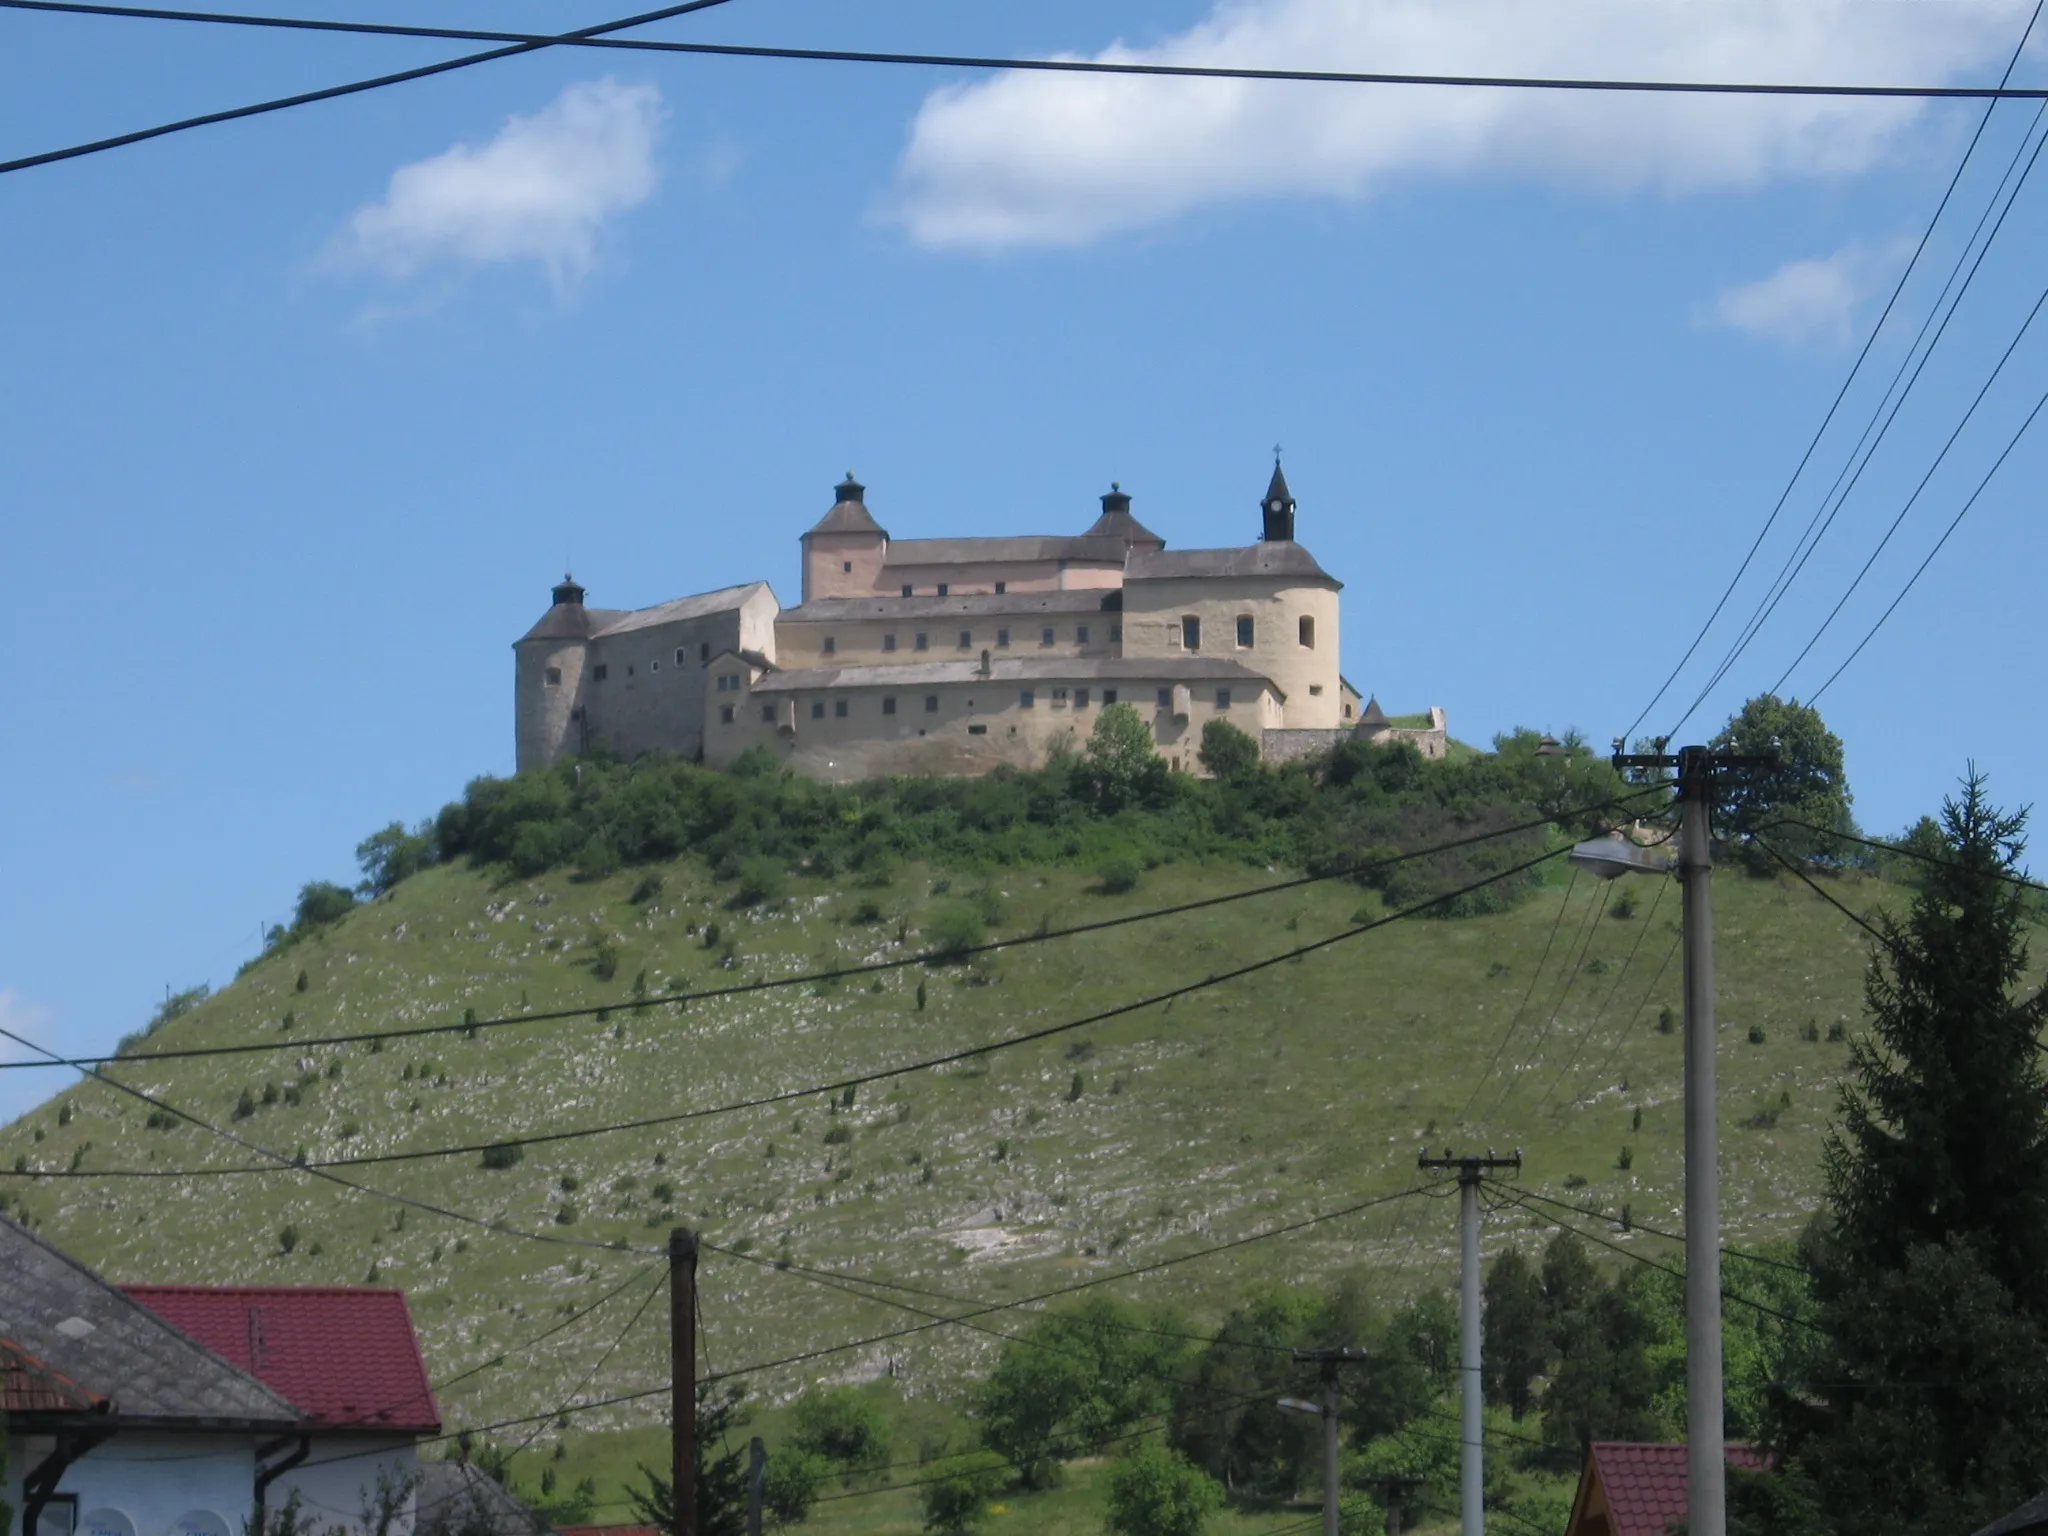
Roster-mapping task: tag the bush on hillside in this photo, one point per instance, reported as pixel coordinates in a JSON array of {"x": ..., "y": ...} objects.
[
  {"x": 176, "y": 1006},
  {"x": 322, "y": 902},
  {"x": 1227, "y": 752}
]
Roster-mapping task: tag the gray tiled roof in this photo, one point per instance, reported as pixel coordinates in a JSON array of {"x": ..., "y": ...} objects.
[
  {"x": 2029, "y": 1519},
  {"x": 1107, "y": 551},
  {"x": 682, "y": 608},
  {"x": 455, "y": 1499},
  {"x": 838, "y": 610},
  {"x": 1274, "y": 557},
  {"x": 1177, "y": 669},
  {"x": 77, "y": 1324}
]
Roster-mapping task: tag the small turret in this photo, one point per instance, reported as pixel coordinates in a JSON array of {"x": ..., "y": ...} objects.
[
  {"x": 1116, "y": 521},
  {"x": 568, "y": 619},
  {"x": 1277, "y": 510}
]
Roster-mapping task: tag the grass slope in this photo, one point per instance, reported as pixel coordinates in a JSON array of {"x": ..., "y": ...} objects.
[{"x": 1307, "y": 1087}]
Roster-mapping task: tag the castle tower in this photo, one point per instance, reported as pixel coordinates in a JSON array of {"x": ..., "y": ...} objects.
[
  {"x": 843, "y": 551},
  {"x": 548, "y": 680},
  {"x": 1116, "y": 521},
  {"x": 1277, "y": 510}
]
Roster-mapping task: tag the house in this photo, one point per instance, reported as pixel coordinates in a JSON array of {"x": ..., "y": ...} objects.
[
  {"x": 1630, "y": 1489},
  {"x": 2030, "y": 1519},
  {"x": 456, "y": 1499},
  {"x": 189, "y": 1410}
]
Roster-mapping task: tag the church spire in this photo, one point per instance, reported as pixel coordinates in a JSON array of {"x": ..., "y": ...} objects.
[{"x": 1277, "y": 510}]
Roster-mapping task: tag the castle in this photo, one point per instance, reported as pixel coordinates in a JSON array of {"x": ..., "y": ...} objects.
[{"x": 955, "y": 655}]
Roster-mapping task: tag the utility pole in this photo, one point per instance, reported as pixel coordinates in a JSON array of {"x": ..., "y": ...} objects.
[
  {"x": 757, "y": 1482},
  {"x": 1327, "y": 1361},
  {"x": 1472, "y": 1469},
  {"x": 682, "y": 1351},
  {"x": 1394, "y": 1493},
  {"x": 1706, "y": 1464}
]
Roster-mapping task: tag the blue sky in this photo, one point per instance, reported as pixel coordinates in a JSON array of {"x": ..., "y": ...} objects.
[{"x": 301, "y": 416}]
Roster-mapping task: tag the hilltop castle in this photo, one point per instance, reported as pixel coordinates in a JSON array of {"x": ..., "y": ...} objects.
[{"x": 951, "y": 656}]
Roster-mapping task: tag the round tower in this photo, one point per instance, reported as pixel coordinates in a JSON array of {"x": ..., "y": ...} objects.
[{"x": 549, "y": 659}]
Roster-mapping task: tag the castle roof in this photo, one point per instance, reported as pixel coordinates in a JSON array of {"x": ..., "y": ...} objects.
[
  {"x": 1269, "y": 557},
  {"x": 567, "y": 619},
  {"x": 1117, "y": 522},
  {"x": 1276, "y": 488},
  {"x": 1372, "y": 714},
  {"x": 1164, "y": 669},
  {"x": 1088, "y": 548},
  {"x": 849, "y": 513},
  {"x": 682, "y": 608},
  {"x": 964, "y": 605}
]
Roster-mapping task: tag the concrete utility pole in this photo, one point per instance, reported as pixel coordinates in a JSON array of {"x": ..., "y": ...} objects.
[
  {"x": 757, "y": 1482},
  {"x": 1472, "y": 1469},
  {"x": 682, "y": 1351},
  {"x": 1327, "y": 1360},
  {"x": 1706, "y": 1463}
]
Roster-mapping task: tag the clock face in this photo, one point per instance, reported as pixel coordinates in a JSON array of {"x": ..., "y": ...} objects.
[{"x": 1273, "y": 505}]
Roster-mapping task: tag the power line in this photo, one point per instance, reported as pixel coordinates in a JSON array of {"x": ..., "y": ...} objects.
[
  {"x": 858, "y": 1080},
  {"x": 1904, "y": 851},
  {"x": 527, "y": 43},
  {"x": 1854, "y": 369},
  {"x": 524, "y": 42},
  {"x": 1674, "y": 1237},
  {"x": 1535, "y": 976},
  {"x": 1594, "y": 912},
  {"x": 1642, "y": 1002},
  {"x": 640, "y": 1004},
  {"x": 1855, "y": 917},
  {"x": 1612, "y": 992}
]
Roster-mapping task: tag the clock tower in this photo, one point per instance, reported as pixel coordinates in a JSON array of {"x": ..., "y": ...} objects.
[{"x": 1278, "y": 509}]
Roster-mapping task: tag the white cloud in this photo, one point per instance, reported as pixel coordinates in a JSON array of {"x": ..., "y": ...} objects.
[
  {"x": 544, "y": 190},
  {"x": 1027, "y": 159},
  {"x": 1809, "y": 301}
]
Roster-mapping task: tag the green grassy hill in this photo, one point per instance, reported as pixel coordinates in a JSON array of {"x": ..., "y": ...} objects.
[{"x": 1305, "y": 1088}]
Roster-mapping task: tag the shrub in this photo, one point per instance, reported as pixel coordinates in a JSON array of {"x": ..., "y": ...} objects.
[
  {"x": 838, "y": 1136},
  {"x": 1227, "y": 752},
  {"x": 321, "y": 902},
  {"x": 790, "y": 1482},
  {"x": 394, "y": 854},
  {"x": 569, "y": 1183},
  {"x": 1623, "y": 905},
  {"x": 302, "y": 983},
  {"x": 1837, "y": 1032},
  {"x": 761, "y": 880},
  {"x": 1756, "y": 1034},
  {"x": 957, "y": 1501},
  {"x": 1155, "y": 1491},
  {"x": 1667, "y": 1021},
  {"x": 1119, "y": 876},
  {"x": 1809, "y": 1031},
  {"x": 920, "y": 994},
  {"x": 844, "y": 1426},
  {"x": 1075, "y": 1088},
  {"x": 1625, "y": 1159},
  {"x": 64, "y": 1114},
  {"x": 954, "y": 930},
  {"x": 663, "y": 1193},
  {"x": 288, "y": 1238},
  {"x": 504, "y": 1154},
  {"x": 566, "y": 1216},
  {"x": 1635, "y": 1120},
  {"x": 604, "y": 959},
  {"x": 649, "y": 888},
  {"x": 245, "y": 1106}
]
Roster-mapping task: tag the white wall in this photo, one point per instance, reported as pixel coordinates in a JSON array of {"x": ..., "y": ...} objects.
[
  {"x": 153, "y": 1479},
  {"x": 337, "y": 1481}
]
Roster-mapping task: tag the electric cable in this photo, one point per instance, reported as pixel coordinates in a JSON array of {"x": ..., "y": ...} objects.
[
  {"x": 1677, "y": 941},
  {"x": 529, "y": 43},
  {"x": 1849, "y": 912},
  {"x": 524, "y": 42},
  {"x": 640, "y": 1004},
  {"x": 661, "y": 1283},
  {"x": 1605, "y": 1003},
  {"x": 1594, "y": 912},
  {"x": 1854, "y": 369},
  {"x": 1535, "y": 976},
  {"x": 1673, "y": 1237},
  {"x": 1903, "y": 851}
]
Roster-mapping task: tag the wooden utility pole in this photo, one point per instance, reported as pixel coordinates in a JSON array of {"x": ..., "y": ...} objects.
[
  {"x": 682, "y": 1350},
  {"x": 1472, "y": 1470}
]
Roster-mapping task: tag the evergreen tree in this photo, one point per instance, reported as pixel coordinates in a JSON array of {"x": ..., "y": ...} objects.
[
  {"x": 1516, "y": 1344},
  {"x": 1604, "y": 1387},
  {"x": 721, "y": 1474},
  {"x": 1930, "y": 1257}
]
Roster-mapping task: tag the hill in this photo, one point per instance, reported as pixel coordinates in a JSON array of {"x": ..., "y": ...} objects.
[{"x": 1237, "y": 1108}]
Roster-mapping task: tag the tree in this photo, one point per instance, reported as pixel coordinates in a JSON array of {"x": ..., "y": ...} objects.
[
  {"x": 1516, "y": 1346},
  {"x": 1930, "y": 1256},
  {"x": 1227, "y": 752},
  {"x": 721, "y": 1479},
  {"x": 957, "y": 1501},
  {"x": 1156, "y": 1491},
  {"x": 322, "y": 902},
  {"x": 790, "y": 1484},
  {"x": 392, "y": 855},
  {"x": 1604, "y": 1387},
  {"x": 843, "y": 1426},
  {"x": 1074, "y": 1381},
  {"x": 1120, "y": 766},
  {"x": 1807, "y": 783}
]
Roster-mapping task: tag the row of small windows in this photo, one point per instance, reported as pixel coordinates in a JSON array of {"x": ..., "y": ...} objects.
[
  {"x": 922, "y": 640},
  {"x": 1191, "y": 632},
  {"x": 1027, "y": 698},
  {"x": 602, "y": 671}
]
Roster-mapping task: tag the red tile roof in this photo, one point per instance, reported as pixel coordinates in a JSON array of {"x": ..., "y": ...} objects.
[
  {"x": 29, "y": 1386},
  {"x": 1646, "y": 1485},
  {"x": 347, "y": 1357}
]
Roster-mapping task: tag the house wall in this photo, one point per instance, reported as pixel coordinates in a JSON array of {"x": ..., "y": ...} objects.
[
  {"x": 1306, "y": 675},
  {"x": 155, "y": 1480},
  {"x": 338, "y": 1479},
  {"x": 977, "y": 576},
  {"x": 843, "y": 564},
  {"x": 865, "y": 743},
  {"x": 801, "y": 643}
]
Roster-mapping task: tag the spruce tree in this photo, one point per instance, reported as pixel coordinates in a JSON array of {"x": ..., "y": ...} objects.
[
  {"x": 1516, "y": 1344},
  {"x": 1930, "y": 1258}
]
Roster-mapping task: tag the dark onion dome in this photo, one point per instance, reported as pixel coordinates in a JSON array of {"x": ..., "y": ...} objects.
[
  {"x": 1116, "y": 521},
  {"x": 568, "y": 619},
  {"x": 849, "y": 512}
]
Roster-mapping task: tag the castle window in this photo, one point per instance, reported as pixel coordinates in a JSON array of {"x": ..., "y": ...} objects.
[
  {"x": 654, "y": 666},
  {"x": 817, "y": 709},
  {"x": 977, "y": 730},
  {"x": 553, "y": 677},
  {"x": 1191, "y": 632},
  {"x": 725, "y": 714},
  {"x": 682, "y": 654},
  {"x": 1223, "y": 698},
  {"x": 1080, "y": 698},
  {"x": 923, "y": 642},
  {"x": 599, "y": 672},
  {"x": 1059, "y": 697},
  {"x": 1002, "y": 639},
  {"x": 942, "y": 589},
  {"x": 831, "y": 645},
  {"x": 704, "y": 651},
  {"x": 1108, "y": 697},
  {"x": 767, "y": 714},
  {"x": 1080, "y": 634},
  {"x": 1315, "y": 690},
  {"x": 1116, "y": 634},
  {"x": 906, "y": 589},
  {"x": 1347, "y": 711},
  {"x": 1306, "y": 629},
  {"x": 629, "y": 669},
  {"x": 1002, "y": 587},
  {"x": 846, "y": 566},
  {"x": 1244, "y": 631},
  {"x": 839, "y": 709},
  {"x": 1045, "y": 637},
  {"x": 931, "y": 703},
  {"x": 1026, "y": 699},
  {"x": 1165, "y": 700},
  {"x": 966, "y": 639},
  {"x": 888, "y": 642},
  {"x": 888, "y": 706}
]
